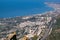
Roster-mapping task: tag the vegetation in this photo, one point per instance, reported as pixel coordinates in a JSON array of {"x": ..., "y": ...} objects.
[
  {"x": 55, "y": 35},
  {"x": 35, "y": 37}
]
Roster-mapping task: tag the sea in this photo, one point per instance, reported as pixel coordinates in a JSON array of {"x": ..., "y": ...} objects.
[{"x": 12, "y": 9}]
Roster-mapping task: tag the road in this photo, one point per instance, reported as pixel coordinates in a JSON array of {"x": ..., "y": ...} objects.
[{"x": 46, "y": 33}]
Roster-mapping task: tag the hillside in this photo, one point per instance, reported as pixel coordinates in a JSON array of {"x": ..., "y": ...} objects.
[{"x": 55, "y": 34}]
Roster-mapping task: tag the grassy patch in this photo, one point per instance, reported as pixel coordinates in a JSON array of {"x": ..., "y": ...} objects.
[{"x": 35, "y": 37}]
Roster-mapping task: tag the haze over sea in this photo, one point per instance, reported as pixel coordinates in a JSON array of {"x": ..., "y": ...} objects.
[{"x": 11, "y": 8}]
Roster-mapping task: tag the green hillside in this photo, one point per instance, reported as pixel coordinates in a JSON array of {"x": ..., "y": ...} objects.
[{"x": 55, "y": 35}]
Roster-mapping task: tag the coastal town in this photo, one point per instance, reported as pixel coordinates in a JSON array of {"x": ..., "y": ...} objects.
[
  {"x": 25, "y": 27},
  {"x": 30, "y": 20}
]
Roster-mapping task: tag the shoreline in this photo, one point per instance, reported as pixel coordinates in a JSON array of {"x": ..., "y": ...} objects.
[{"x": 26, "y": 15}]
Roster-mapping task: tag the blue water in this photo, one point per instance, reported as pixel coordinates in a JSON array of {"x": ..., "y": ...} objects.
[{"x": 11, "y": 9}]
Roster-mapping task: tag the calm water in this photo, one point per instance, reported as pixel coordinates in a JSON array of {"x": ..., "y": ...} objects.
[{"x": 11, "y": 9}]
